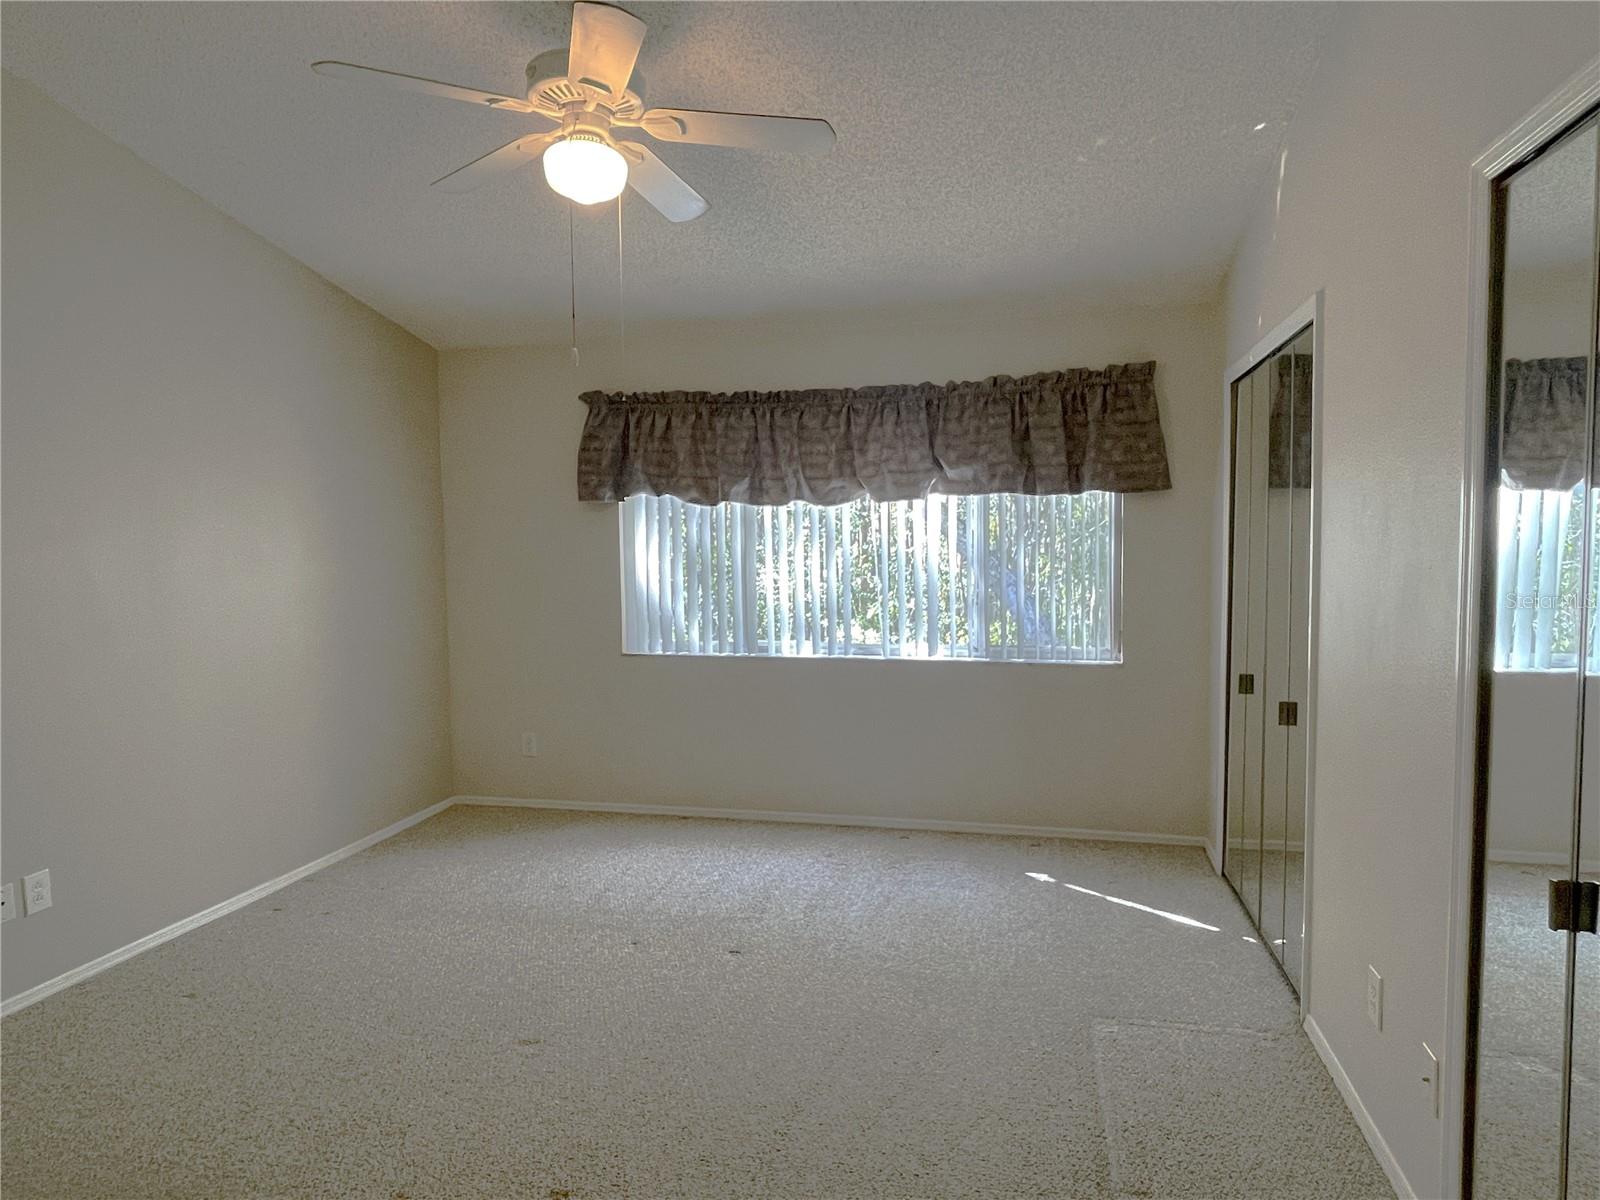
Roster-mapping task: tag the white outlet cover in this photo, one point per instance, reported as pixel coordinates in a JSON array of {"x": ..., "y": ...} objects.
[
  {"x": 530, "y": 745},
  {"x": 8, "y": 902},
  {"x": 36, "y": 891}
]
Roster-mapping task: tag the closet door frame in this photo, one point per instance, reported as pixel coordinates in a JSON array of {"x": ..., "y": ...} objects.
[
  {"x": 1281, "y": 335},
  {"x": 1524, "y": 141}
]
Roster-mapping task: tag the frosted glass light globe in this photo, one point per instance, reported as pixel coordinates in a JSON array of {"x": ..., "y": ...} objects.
[{"x": 585, "y": 170}]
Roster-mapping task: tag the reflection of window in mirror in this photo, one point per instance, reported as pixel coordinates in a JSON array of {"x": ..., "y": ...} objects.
[{"x": 1547, "y": 289}]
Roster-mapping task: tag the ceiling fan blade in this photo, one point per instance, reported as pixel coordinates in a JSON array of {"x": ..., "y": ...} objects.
[
  {"x": 415, "y": 83},
  {"x": 661, "y": 185},
  {"x": 747, "y": 131},
  {"x": 605, "y": 45},
  {"x": 497, "y": 162}
]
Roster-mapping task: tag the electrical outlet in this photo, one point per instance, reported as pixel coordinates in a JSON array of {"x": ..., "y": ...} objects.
[
  {"x": 1375, "y": 998},
  {"x": 8, "y": 902},
  {"x": 530, "y": 745},
  {"x": 1430, "y": 1077},
  {"x": 36, "y": 891}
]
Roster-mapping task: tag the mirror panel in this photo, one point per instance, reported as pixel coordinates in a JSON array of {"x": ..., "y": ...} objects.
[
  {"x": 1276, "y": 564},
  {"x": 1583, "y": 1120},
  {"x": 1536, "y": 721},
  {"x": 1299, "y": 653},
  {"x": 1240, "y": 703},
  {"x": 1256, "y": 638}
]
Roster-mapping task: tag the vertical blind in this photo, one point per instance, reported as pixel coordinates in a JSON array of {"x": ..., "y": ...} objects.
[
  {"x": 1000, "y": 577},
  {"x": 1539, "y": 561}
]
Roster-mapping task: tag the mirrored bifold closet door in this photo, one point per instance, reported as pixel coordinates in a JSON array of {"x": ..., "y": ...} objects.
[
  {"x": 1269, "y": 646},
  {"x": 1533, "y": 1120}
]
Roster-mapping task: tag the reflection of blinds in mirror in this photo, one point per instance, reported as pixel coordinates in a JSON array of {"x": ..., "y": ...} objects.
[{"x": 1539, "y": 557}]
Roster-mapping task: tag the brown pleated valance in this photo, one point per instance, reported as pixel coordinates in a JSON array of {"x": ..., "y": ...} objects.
[
  {"x": 1056, "y": 433},
  {"x": 1542, "y": 432}
]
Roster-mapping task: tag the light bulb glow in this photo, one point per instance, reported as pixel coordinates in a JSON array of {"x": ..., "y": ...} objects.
[{"x": 585, "y": 170}]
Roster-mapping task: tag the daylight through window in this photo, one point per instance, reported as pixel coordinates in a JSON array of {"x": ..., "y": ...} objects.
[{"x": 999, "y": 577}]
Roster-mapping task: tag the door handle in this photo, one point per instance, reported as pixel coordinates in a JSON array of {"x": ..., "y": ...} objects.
[{"x": 1574, "y": 906}]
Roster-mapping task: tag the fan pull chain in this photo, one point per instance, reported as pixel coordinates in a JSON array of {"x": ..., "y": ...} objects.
[
  {"x": 572, "y": 281},
  {"x": 622, "y": 309}
]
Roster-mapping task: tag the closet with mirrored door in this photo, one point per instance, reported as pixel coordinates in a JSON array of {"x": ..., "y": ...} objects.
[
  {"x": 1269, "y": 624},
  {"x": 1533, "y": 1041}
]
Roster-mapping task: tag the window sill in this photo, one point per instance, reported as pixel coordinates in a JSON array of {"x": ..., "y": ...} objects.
[
  {"x": 927, "y": 660},
  {"x": 1551, "y": 672}
]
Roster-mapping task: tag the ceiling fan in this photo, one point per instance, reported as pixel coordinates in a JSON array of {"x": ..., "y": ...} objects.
[{"x": 583, "y": 92}]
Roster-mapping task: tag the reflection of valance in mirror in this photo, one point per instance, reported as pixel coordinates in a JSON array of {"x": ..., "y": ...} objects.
[
  {"x": 1542, "y": 423},
  {"x": 1291, "y": 420},
  {"x": 1058, "y": 433}
]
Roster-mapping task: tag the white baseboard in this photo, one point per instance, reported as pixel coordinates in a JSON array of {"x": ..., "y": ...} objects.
[
  {"x": 67, "y": 978},
  {"x": 1369, "y": 1128},
  {"x": 807, "y": 818},
  {"x": 1538, "y": 858}
]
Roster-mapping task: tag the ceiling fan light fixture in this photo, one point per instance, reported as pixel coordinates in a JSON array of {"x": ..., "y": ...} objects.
[{"x": 585, "y": 170}]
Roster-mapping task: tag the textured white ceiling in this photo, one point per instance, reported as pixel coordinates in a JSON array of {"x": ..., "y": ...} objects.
[{"x": 1101, "y": 149}]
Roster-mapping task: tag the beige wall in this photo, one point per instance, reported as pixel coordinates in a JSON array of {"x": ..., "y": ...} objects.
[
  {"x": 1374, "y": 208},
  {"x": 223, "y": 578},
  {"x": 535, "y": 622}
]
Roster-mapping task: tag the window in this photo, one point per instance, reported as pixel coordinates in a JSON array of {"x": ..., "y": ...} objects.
[
  {"x": 1002, "y": 577},
  {"x": 1540, "y": 535}
]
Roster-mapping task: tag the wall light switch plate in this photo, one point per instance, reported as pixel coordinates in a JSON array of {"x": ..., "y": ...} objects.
[
  {"x": 8, "y": 902},
  {"x": 530, "y": 745},
  {"x": 1375, "y": 998},
  {"x": 36, "y": 891},
  {"x": 1430, "y": 1077}
]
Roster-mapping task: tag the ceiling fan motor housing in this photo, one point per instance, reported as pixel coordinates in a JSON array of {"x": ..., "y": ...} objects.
[{"x": 552, "y": 92}]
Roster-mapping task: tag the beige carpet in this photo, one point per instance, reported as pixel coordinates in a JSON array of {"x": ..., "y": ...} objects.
[
  {"x": 509, "y": 1003},
  {"x": 1157, "y": 1083}
]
